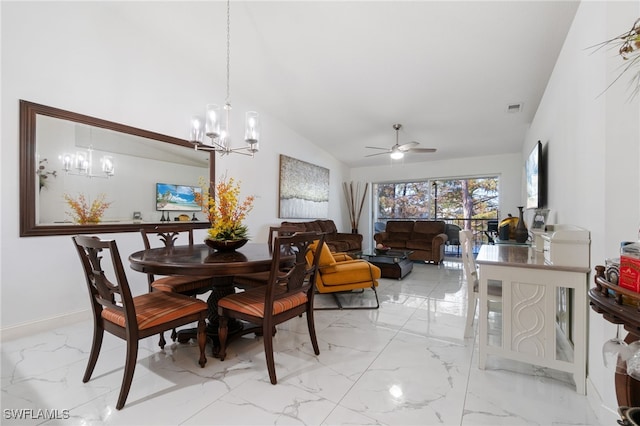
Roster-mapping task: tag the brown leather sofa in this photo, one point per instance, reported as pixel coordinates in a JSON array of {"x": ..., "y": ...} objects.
[
  {"x": 426, "y": 238},
  {"x": 337, "y": 241}
]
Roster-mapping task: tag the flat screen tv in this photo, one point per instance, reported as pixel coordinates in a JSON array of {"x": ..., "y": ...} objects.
[
  {"x": 182, "y": 198},
  {"x": 536, "y": 178}
]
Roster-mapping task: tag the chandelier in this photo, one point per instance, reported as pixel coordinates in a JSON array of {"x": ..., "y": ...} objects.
[
  {"x": 81, "y": 163},
  {"x": 215, "y": 124}
]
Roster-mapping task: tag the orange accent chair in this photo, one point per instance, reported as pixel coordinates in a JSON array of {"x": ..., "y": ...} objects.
[
  {"x": 288, "y": 294},
  {"x": 130, "y": 318},
  {"x": 340, "y": 273}
]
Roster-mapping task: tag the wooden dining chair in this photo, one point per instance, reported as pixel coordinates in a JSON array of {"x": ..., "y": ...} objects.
[
  {"x": 287, "y": 294},
  {"x": 183, "y": 284},
  {"x": 247, "y": 281},
  {"x": 130, "y": 318}
]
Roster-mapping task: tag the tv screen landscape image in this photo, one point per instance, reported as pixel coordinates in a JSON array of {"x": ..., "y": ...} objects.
[{"x": 172, "y": 197}]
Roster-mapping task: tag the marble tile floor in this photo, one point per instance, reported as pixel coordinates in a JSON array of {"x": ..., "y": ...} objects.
[{"x": 404, "y": 364}]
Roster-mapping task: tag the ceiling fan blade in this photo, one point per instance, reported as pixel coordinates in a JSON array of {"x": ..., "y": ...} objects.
[
  {"x": 376, "y": 147},
  {"x": 422, "y": 150},
  {"x": 377, "y": 153},
  {"x": 407, "y": 146}
]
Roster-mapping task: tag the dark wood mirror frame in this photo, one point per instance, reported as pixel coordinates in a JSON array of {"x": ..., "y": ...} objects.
[{"x": 28, "y": 172}]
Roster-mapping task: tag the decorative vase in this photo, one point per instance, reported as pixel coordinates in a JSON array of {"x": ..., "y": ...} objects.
[
  {"x": 225, "y": 245},
  {"x": 521, "y": 234}
]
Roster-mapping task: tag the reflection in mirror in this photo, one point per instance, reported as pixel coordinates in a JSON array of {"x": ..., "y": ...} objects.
[{"x": 65, "y": 153}]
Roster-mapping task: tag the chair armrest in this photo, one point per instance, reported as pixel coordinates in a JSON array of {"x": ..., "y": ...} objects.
[
  {"x": 341, "y": 257},
  {"x": 439, "y": 240},
  {"x": 380, "y": 237}
]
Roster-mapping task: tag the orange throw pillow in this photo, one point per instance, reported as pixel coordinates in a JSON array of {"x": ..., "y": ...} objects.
[{"x": 326, "y": 258}]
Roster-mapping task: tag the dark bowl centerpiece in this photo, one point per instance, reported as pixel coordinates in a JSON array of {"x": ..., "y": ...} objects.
[{"x": 226, "y": 245}]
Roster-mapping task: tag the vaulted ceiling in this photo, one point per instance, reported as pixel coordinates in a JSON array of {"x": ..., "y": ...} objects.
[{"x": 342, "y": 73}]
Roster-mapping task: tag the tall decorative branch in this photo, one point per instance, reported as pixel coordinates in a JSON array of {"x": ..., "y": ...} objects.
[
  {"x": 352, "y": 196},
  {"x": 628, "y": 45}
]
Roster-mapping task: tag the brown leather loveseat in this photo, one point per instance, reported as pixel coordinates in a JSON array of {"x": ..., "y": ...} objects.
[
  {"x": 426, "y": 238},
  {"x": 337, "y": 241}
]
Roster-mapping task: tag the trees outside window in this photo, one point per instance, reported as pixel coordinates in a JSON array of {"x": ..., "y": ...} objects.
[{"x": 452, "y": 200}]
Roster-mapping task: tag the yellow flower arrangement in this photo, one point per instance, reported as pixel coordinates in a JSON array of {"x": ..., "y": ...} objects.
[
  {"x": 82, "y": 212},
  {"x": 226, "y": 212}
]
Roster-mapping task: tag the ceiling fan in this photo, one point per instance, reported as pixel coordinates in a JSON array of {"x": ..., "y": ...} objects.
[{"x": 397, "y": 151}]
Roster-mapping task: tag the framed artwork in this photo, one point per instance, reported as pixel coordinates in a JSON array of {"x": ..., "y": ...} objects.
[
  {"x": 539, "y": 220},
  {"x": 304, "y": 190}
]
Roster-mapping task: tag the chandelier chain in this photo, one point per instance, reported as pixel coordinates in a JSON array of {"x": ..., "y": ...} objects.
[{"x": 228, "y": 46}]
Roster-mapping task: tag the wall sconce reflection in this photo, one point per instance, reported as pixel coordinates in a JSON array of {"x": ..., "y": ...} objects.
[{"x": 81, "y": 164}]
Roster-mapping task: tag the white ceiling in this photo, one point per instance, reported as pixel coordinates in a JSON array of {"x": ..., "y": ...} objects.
[{"x": 342, "y": 73}]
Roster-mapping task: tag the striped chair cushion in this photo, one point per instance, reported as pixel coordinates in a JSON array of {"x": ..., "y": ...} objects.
[
  {"x": 157, "y": 308},
  {"x": 251, "y": 302},
  {"x": 181, "y": 283}
]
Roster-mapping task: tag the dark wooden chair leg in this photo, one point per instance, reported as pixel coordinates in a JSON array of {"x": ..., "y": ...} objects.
[
  {"x": 268, "y": 351},
  {"x": 222, "y": 337},
  {"x": 129, "y": 369},
  {"x": 312, "y": 330},
  {"x": 202, "y": 342},
  {"x": 162, "y": 342},
  {"x": 98, "y": 334}
]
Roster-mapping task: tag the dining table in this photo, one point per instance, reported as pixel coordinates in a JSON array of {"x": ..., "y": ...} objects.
[{"x": 201, "y": 260}]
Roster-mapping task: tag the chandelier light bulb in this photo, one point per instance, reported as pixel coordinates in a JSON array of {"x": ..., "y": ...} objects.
[
  {"x": 212, "y": 128},
  {"x": 107, "y": 165},
  {"x": 197, "y": 130},
  {"x": 252, "y": 128},
  {"x": 67, "y": 161}
]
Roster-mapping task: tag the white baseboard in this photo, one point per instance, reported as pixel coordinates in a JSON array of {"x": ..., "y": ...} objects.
[
  {"x": 27, "y": 329},
  {"x": 606, "y": 415}
]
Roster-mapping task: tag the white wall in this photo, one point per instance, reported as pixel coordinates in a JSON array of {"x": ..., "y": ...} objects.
[
  {"x": 508, "y": 167},
  {"x": 594, "y": 147},
  {"x": 83, "y": 57}
]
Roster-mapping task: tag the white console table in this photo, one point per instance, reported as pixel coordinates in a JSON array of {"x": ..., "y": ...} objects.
[{"x": 529, "y": 306}]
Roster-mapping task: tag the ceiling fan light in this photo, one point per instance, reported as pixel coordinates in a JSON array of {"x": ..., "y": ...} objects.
[{"x": 396, "y": 154}]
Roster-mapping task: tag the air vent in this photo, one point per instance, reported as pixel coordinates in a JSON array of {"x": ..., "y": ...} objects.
[{"x": 513, "y": 108}]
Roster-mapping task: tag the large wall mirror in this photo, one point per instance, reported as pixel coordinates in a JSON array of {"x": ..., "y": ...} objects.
[{"x": 67, "y": 153}]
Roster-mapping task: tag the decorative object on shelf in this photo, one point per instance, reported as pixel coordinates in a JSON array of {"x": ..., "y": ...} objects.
[
  {"x": 628, "y": 44},
  {"x": 506, "y": 230},
  {"x": 213, "y": 127},
  {"x": 226, "y": 213},
  {"x": 382, "y": 249},
  {"x": 521, "y": 234},
  {"x": 83, "y": 212},
  {"x": 352, "y": 195},
  {"x": 43, "y": 173},
  {"x": 539, "y": 220}
]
